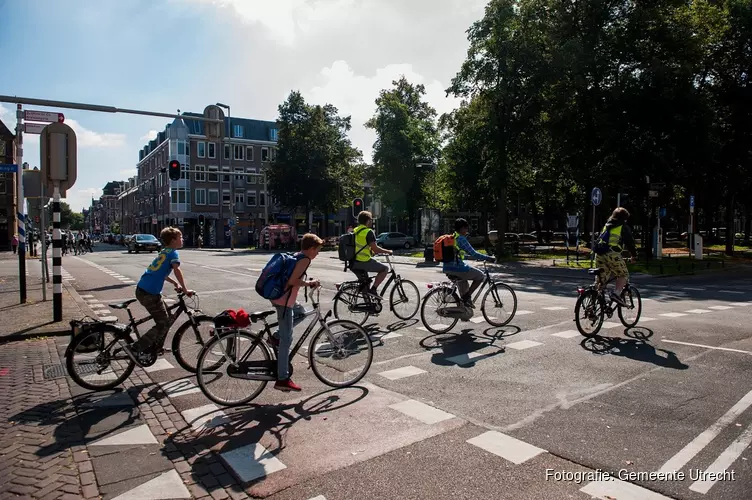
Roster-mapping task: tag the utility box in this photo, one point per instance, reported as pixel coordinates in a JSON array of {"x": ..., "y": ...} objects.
[{"x": 698, "y": 246}]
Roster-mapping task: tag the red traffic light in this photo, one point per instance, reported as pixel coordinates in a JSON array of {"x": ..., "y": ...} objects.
[
  {"x": 357, "y": 203},
  {"x": 174, "y": 170}
]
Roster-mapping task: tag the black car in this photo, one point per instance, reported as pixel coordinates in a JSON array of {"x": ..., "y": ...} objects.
[{"x": 143, "y": 242}]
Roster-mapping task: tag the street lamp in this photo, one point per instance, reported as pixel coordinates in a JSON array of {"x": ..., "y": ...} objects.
[{"x": 232, "y": 177}]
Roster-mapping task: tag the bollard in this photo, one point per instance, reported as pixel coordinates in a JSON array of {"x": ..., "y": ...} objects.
[{"x": 57, "y": 259}]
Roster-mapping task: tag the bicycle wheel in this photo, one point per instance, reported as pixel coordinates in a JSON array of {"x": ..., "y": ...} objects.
[
  {"x": 189, "y": 340},
  {"x": 348, "y": 296},
  {"x": 503, "y": 304},
  {"x": 589, "y": 312},
  {"x": 631, "y": 296},
  {"x": 221, "y": 353},
  {"x": 436, "y": 298},
  {"x": 96, "y": 359},
  {"x": 404, "y": 293},
  {"x": 341, "y": 340}
]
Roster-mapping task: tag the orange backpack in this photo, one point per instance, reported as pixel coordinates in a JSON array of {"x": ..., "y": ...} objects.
[{"x": 443, "y": 248}]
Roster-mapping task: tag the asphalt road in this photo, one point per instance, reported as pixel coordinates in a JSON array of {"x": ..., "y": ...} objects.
[{"x": 530, "y": 410}]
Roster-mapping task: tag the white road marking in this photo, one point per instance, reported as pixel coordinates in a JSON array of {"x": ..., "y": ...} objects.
[
  {"x": 723, "y": 462},
  {"x": 699, "y": 311},
  {"x": 693, "y": 289},
  {"x": 706, "y": 346},
  {"x": 720, "y": 308},
  {"x": 161, "y": 364},
  {"x": 522, "y": 313},
  {"x": 687, "y": 453},
  {"x": 179, "y": 387},
  {"x": 740, "y": 304},
  {"x": 466, "y": 358},
  {"x": 405, "y": 371},
  {"x": 610, "y": 324},
  {"x": 673, "y": 315},
  {"x": 556, "y": 308},
  {"x": 731, "y": 291},
  {"x": 506, "y": 447},
  {"x": 616, "y": 488},
  {"x": 166, "y": 485},
  {"x": 205, "y": 417},
  {"x": 566, "y": 334},
  {"x": 421, "y": 411},
  {"x": 523, "y": 344},
  {"x": 135, "y": 435},
  {"x": 645, "y": 319},
  {"x": 252, "y": 462}
]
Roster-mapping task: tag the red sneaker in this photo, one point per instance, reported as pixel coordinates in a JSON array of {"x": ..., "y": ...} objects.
[{"x": 287, "y": 386}]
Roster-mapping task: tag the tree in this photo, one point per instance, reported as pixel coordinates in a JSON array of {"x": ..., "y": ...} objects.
[
  {"x": 406, "y": 135},
  {"x": 316, "y": 167},
  {"x": 68, "y": 218}
]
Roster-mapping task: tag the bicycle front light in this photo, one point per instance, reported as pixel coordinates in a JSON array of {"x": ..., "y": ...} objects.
[{"x": 429, "y": 285}]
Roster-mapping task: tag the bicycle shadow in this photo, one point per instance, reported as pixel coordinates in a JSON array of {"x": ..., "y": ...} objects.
[
  {"x": 459, "y": 349},
  {"x": 376, "y": 334},
  {"x": 635, "y": 347},
  {"x": 255, "y": 424}
]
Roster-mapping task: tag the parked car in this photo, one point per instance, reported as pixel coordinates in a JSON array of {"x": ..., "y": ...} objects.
[
  {"x": 144, "y": 242},
  {"x": 395, "y": 240}
]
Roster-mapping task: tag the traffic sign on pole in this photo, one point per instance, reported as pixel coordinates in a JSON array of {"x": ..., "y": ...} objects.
[
  {"x": 596, "y": 196},
  {"x": 214, "y": 130},
  {"x": 58, "y": 156},
  {"x": 43, "y": 116},
  {"x": 34, "y": 128},
  {"x": 8, "y": 168},
  {"x": 662, "y": 212},
  {"x": 691, "y": 203}
]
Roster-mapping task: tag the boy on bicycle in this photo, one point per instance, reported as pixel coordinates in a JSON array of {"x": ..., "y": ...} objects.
[
  {"x": 464, "y": 271},
  {"x": 290, "y": 312},
  {"x": 149, "y": 293},
  {"x": 365, "y": 247}
]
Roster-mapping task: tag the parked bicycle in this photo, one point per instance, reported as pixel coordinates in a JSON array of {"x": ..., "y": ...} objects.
[
  {"x": 352, "y": 302},
  {"x": 594, "y": 303},
  {"x": 235, "y": 355},
  {"x": 498, "y": 307},
  {"x": 96, "y": 357}
]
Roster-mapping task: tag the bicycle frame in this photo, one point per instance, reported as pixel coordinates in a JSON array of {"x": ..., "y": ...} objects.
[
  {"x": 180, "y": 305},
  {"x": 487, "y": 281},
  {"x": 393, "y": 278}
]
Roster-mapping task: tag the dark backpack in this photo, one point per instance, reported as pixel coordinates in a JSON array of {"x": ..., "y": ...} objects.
[
  {"x": 272, "y": 283},
  {"x": 346, "y": 249},
  {"x": 602, "y": 245}
]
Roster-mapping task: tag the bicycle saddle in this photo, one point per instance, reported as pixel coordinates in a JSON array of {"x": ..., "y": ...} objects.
[
  {"x": 261, "y": 315},
  {"x": 122, "y": 305},
  {"x": 595, "y": 270}
]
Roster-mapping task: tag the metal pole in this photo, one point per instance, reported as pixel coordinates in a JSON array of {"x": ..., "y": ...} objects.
[
  {"x": 43, "y": 224},
  {"x": 618, "y": 199},
  {"x": 592, "y": 238},
  {"x": 20, "y": 205},
  {"x": 57, "y": 258},
  {"x": 220, "y": 154},
  {"x": 228, "y": 134},
  {"x": 266, "y": 201}
]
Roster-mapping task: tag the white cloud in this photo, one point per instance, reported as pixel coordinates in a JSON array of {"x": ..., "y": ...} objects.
[
  {"x": 81, "y": 198},
  {"x": 150, "y": 135},
  {"x": 355, "y": 94}
]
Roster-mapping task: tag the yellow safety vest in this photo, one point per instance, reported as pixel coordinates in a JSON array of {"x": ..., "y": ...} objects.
[
  {"x": 458, "y": 252},
  {"x": 364, "y": 255},
  {"x": 614, "y": 238}
]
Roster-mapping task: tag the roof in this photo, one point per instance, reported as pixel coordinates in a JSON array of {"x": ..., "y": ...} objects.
[
  {"x": 254, "y": 130},
  {"x": 5, "y": 131}
]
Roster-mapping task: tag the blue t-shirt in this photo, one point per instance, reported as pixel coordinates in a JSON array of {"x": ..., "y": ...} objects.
[{"x": 154, "y": 277}]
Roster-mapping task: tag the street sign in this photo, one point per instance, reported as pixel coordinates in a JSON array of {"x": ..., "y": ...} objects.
[
  {"x": 653, "y": 194},
  {"x": 231, "y": 222},
  {"x": 44, "y": 116},
  {"x": 658, "y": 185},
  {"x": 58, "y": 156},
  {"x": 662, "y": 211},
  {"x": 34, "y": 128},
  {"x": 692, "y": 204},
  {"x": 8, "y": 168},
  {"x": 572, "y": 221},
  {"x": 596, "y": 196}
]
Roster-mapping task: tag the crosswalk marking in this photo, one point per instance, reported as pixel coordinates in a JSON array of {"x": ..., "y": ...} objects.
[
  {"x": 699, "y": 311},
  {"x": 720, "y": 308},
  {"x": 673, "y": 315},
  {"x": 251, "y": 462},
  {"x": 466, "y": 358},
  {"x": 506, "y": 447},
  {"x": 610, "y": 324},
  {"x": 136, "y": 435},
  {"x": 555, "y": 308},
  {"x": 568, "y": 334},
  {"x": 523, "y": 344},
  {"x": 161, "y": 364},
  {"x": 421, "y": 411},
  {"x": 180, "y": 387},
  {"x": 166, "y": 485},
  {"x": 398, "y": 373},
  {"x": 723, "y": 462},
  {"x": 205, "y": 417},
  {"x": 616, "y": 488}
]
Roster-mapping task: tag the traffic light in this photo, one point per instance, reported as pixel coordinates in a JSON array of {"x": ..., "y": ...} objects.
[
  {"x": 200, "y": 220},
  {"x": 237, "y": 220},
  {"x": 357, "y": 206},
  {"x": 174, "y": 170}
]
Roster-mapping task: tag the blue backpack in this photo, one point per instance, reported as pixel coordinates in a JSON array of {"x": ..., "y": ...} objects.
[{"x": 272, "y": 284}]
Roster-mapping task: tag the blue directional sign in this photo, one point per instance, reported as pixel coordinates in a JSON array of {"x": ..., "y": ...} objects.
[
  {"x": 8, "y": 168},
  {"x": 662, "y": 211},
  {"x": 692, "y": 201},
  {"x": 231, "y": 222},
  {"x": 596, "y": 196}
]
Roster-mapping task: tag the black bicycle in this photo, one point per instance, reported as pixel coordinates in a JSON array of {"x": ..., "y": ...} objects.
[
  {"x": 96, "y": 358},
  {"x": 499, "y": 303},
  {"x": 594, "y": 303},
  {"x": 354, "y": 303},
  {"x": 242, "y": 359}
]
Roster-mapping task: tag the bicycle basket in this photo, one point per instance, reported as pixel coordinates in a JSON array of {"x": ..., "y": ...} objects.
[{"x": 86, "y": 326}]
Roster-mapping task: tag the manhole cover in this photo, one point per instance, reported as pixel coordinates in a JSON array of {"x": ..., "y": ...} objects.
[{"x": 51, "y": 372}]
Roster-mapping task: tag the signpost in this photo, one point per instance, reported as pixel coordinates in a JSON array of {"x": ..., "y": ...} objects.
[
  {"x": 595, "y": 196},
  {"x": 43, "y": 116},
  {"x": 34, "y": 128},
  {"x": 58, "y": 159},
  {"x": 8, "y": 168},
  {"x": 573, "y": 229},
  {"x": 690, "y": 231}
]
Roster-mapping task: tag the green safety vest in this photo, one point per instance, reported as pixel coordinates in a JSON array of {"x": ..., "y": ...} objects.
[
  {"x": 364, "y": 255},
  {"x": 458, "y": 252}
]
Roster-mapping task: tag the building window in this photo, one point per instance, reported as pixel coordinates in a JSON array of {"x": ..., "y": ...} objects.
[
  {"x": 226, "y": 197},
  {"x": 213, "y": 197},
  {"x": 201, "y": 197},
  {"x": 227, "y": 151},
  {"x": 262, "y": 199},
  {"x": 264, "y": 154},
  {"x": 239, "y": 197},
  {"x": 225, "y": 178},
  {"x": 3, "y": 184},
  {"x": 212, "y": 175},
  {"x": 273, "y": 134},
  {"x": 181, "y": 147},
  {"x": 238, "y": 152},
  {"x": 249, "y": 153},
  {"x": 237, "y": 131},
  {"x": 201, "y": 149},
  {"x": 250, "y": 179},
  {"x": 200, "y": 173},
  {"x": 184, "y": 174},
  {"x": 188, "y": 148},
  {"x": 250, "y": 198},
  {"x": 212, "y": 152},
  {"x": 238, "y": 178}
]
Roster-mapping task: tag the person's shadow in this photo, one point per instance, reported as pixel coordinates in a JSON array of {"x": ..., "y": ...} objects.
[{"x": 638, "y": 349}]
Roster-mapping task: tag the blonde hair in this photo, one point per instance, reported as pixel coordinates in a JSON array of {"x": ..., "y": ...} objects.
[
  {"x": 169, "y": 234},
  {"x": 309, "y": 241}
]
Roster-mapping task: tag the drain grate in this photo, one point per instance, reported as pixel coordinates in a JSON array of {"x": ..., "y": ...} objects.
[{"x": 52, "y": 372}]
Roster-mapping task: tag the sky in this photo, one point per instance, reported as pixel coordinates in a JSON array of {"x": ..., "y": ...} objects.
[{"x": 165, "y": 55}]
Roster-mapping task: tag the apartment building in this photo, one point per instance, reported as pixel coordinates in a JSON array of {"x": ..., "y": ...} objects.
[
  {"x": 106, "y": 210},
  {"x": 7, "y": 188}
]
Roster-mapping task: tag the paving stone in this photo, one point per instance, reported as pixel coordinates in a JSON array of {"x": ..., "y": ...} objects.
[{"x": 90, "y": 491}]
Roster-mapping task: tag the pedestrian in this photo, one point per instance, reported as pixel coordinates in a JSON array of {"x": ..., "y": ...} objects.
[
  {"x": 149, "y": 294},
  {"x": 290, "y": 312},
  {"x": 200, "y": 241},
  {"x": 14, "y": 243}
]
